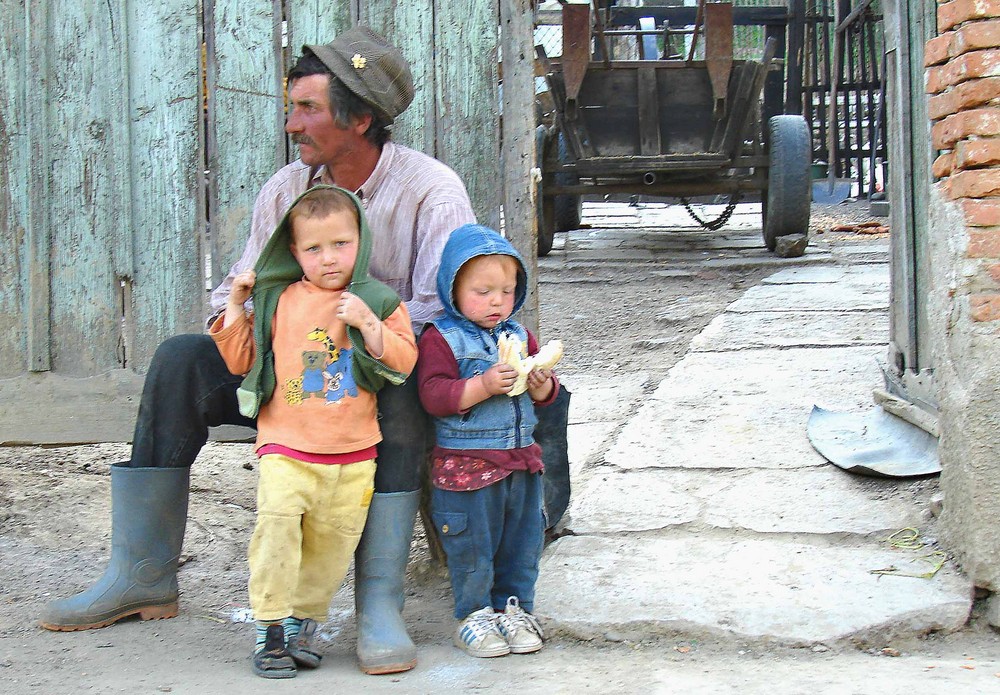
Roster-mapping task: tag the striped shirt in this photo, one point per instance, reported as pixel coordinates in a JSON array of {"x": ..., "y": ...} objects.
[{"x": 412, "y": 202}]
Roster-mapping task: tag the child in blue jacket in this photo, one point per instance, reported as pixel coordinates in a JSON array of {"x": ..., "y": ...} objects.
[{"x": 486, "y": 468}]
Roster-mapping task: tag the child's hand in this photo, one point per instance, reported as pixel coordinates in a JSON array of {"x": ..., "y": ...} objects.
[
  {"x": 540, "y": 384},
  {"x": 354, "y": 312},
  {"x": 499, "y": 379},
  {"x": 538, "y": 377},
  {"x": 239, "y": 293},
  {"x": 242, "y": 287}
]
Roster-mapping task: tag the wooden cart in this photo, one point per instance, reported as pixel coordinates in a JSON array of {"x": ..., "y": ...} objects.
[{"x": 667, "y": 126}]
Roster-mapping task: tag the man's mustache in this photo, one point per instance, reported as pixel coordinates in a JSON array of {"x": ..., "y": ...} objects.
[{"x": 300, "y": 139}]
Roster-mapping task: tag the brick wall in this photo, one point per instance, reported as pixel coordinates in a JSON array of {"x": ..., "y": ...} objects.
[{"x": 963, "y": 83}]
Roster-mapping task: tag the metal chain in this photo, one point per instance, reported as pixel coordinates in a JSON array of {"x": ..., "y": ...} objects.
[{"x": 718, "y": 221}]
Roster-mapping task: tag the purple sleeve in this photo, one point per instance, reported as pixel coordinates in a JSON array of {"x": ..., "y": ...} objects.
[{"x": 437, "y": 375}]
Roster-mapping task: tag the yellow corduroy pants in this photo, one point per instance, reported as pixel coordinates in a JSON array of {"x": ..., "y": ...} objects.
[{"x": 309, "y": 521}]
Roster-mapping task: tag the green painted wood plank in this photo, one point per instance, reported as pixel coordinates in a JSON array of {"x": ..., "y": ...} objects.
[
  {"x": 410, "y": 27},
  {"x": 38, "y": 230},
  {"x": 245, "y": 117},
  {"x": 518, "y": 141},
  {"x": 84, "y": 191},
  {"x": 467, "y": 119},
  {"x": 168, "y": 288},
  {"x": 314, "y": 21},
  {"x": 14, "y": 173}
]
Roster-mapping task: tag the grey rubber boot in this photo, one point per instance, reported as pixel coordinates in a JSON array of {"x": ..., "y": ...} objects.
[
  {"x": 148, "y": 515},
  {"x": 379, "y": 571}
]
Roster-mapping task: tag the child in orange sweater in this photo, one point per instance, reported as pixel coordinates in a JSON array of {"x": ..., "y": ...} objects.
[{"x": 315, "y": 353}]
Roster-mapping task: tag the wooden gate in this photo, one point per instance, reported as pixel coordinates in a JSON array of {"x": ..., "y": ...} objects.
[
  {"x": 842, "y": 86},
  {"x": 135, "y": 138}
]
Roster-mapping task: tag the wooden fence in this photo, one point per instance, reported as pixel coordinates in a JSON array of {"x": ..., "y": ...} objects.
[{"x": 126, "y": 190}]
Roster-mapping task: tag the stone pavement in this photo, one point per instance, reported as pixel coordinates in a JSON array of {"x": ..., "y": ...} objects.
[{"x": 699, "y": 506}]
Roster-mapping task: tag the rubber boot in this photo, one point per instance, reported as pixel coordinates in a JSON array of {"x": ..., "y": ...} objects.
[
  {"x": 148, "y": 515},
  {"x": 379, "y": 571}
]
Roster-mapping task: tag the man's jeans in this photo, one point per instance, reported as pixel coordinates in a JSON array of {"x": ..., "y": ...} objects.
[{"x": 189, "y": 389}]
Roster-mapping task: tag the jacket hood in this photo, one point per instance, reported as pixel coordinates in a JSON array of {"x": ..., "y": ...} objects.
[
  {"x": 464, "y": 244},
  {"x": 277, "y": 267}
]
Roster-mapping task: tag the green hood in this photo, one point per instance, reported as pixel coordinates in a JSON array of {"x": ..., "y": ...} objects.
[{"x": 276, "y": 269}]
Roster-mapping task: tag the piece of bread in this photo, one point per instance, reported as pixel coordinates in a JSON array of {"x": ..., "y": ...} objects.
[{"x": 511, "y": 350}]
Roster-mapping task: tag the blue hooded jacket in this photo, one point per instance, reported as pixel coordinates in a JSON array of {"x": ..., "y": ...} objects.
[{"x": 499, "y": 422}]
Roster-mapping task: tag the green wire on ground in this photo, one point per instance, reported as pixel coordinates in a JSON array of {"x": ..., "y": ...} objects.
[{"x": 909, "y": 539}]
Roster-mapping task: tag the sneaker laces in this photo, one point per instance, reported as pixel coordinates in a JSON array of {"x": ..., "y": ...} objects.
[
  {"x": 515, "y": 618},
  {"x": 480, "y": 623}
]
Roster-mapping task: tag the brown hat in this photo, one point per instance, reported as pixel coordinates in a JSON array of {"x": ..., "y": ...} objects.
[{"x": 371, "y": 67}]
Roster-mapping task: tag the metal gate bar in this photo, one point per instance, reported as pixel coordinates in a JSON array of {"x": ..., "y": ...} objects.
[{"x": 860, "y": 152}]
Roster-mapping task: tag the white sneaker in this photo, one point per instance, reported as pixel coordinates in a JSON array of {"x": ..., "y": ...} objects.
[
  {"x": 478, "y": 635},
  {"x": 520, "y": 628}
]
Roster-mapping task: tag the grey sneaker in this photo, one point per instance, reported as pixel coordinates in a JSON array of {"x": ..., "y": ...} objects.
[
  {"x": 520, "y": 628},
  {"x": 477, "y": 635}
]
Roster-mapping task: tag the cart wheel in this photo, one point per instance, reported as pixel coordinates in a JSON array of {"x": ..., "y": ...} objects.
[
  {"x": 568, "y": 208},
  {"x": 786, "y": 202},
  {"x": 544, "y": 205}
]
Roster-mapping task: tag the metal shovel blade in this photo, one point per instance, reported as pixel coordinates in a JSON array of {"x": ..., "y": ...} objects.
[{"x": 873, "y": 443}]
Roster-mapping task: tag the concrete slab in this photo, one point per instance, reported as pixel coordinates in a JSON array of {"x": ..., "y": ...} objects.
[
  {"x": 823, "y": 274},
  {"x": 767, "y": 259},
  {"x": 764, "y": 501},
  {"x": 732, "y": 331},
  {"x": 598, "y": 253},
  {"x": 615, "y": 501},
  {"x": 595, "y": 398},
  {"x": 745, "y": 409},
  {"x": 874, "y": 274},
  {"x": 770, "y": 590},
  {"x": 585, "y": 441},
  {"x": 813, "y": 297}
]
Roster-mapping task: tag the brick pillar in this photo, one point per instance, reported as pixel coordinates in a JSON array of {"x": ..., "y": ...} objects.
[{"x": 963, "y": 84}]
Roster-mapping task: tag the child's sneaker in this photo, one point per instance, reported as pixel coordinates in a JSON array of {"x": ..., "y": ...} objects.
[
  {"x": 271, "y": 659},
  {"x": 520, "y": 628},
  {"x": 478, "y": 635}
]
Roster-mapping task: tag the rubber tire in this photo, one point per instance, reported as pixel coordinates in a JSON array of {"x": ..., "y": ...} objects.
[
  {"x": 568, "y": 208},
  {"x": 785, "y": 206},
  {"x": 544, "y": 207}
]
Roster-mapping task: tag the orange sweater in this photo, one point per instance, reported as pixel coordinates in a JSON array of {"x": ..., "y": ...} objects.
[{"x": 316, "y": 407}]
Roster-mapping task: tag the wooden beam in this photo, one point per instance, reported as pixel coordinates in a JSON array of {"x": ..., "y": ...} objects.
[
  {"x": 518, "y": 154},
  {"x": 649, "y": 111},
  {"x": 38, "y": 228},
  {"x": 681, "y": 16}
]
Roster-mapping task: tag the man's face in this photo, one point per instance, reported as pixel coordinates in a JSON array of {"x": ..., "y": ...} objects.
[
  {"x": 326, "y": 248},
  {"x": 311, "y": 124}
]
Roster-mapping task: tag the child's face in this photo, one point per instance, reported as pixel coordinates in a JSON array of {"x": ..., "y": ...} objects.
[
  {"x": 326, "y": 248},
  {"x": 484, "y": 289}
]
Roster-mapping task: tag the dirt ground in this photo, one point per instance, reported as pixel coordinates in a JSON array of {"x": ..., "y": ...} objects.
[{"x": 616, "y": 315}]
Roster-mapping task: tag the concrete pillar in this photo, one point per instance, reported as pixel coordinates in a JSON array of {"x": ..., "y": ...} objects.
[{"x": 963, "y": 81}]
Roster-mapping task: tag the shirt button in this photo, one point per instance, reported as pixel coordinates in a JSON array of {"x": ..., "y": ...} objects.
[{"x": 444, "y": 529}]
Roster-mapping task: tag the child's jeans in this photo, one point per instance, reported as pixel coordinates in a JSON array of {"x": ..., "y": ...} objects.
[
  {"x": 493, "y": 538},
  {"x": 309, "y": 521}
]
